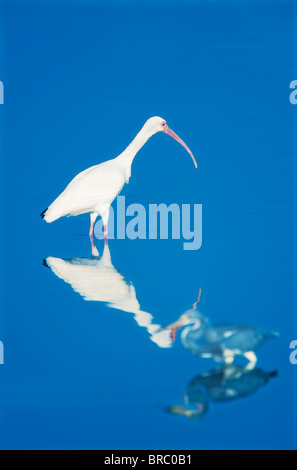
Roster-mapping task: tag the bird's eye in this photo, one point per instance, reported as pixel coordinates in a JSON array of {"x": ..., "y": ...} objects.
[{"x": 163, "y": 124}]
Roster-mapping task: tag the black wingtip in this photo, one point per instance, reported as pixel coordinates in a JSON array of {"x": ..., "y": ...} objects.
[
  {"x": 43, "y": 213},
  {"x": 44, "y": 263}
]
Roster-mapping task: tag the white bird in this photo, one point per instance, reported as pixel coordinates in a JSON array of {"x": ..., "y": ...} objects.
[{"x": 93, "y": 190}]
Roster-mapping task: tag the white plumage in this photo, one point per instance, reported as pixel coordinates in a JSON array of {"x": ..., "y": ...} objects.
[{"x": 94, "y": 189}]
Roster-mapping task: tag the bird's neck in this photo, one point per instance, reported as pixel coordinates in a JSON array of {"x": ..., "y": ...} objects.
[
  {"x": 197, "y": 326},
  {"x": 137, "y": 143}
]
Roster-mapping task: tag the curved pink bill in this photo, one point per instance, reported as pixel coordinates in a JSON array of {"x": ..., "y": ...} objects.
[{"x": 172, "y": 134}]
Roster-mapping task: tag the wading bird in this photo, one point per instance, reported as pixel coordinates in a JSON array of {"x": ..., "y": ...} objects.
[
  {"x": 223, "y": 342},
  {"x": 93, "y": 190}
]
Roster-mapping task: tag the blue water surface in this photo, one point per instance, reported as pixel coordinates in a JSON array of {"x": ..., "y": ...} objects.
[{"x": 80, "y": 80}]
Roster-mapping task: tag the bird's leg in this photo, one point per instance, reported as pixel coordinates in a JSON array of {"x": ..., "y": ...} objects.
[
  {"x": 105, "y": 217},
  {"x": 93, "y": 218},
  {"x": 105, "y": 225},
  {"x": 228, "y": 360},
  {"x": 105, "y": 235}
]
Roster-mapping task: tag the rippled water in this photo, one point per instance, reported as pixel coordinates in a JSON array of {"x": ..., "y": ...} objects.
[{"x": 88, "y": 362}]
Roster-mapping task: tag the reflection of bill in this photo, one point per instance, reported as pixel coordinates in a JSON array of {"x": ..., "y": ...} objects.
[
  {"x": 98, "y": 280},
  {"x": 224, "y": 384}
]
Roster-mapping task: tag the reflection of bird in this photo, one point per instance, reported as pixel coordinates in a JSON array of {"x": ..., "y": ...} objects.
[
  {"x": 93, "y": 190},
  {"x": 219, "y": 342},
  {"x": 224, "y": 384},
  {"x": 97, "y": 279}
]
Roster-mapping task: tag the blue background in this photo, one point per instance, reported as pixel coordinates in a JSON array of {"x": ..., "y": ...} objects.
[{"x": 80, "y": 80}]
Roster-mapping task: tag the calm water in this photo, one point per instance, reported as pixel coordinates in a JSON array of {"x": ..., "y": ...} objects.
[{"x": 79, "y": 83}]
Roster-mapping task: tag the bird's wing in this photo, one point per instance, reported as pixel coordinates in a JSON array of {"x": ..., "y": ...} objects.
[
  {"x": 218, "y": 333},
  {"x": 92, "y": 188},
  {"x": 245, "y": 339}
]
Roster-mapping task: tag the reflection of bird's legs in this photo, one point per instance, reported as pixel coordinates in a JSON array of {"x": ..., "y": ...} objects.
[
  {"x": 93, "y": 218},
  {"x": 252, "y": 358},
  {"x": 198, "y": 300},
  {"x": 95, "y": 252}
]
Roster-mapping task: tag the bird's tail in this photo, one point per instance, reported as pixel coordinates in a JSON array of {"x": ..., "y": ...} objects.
[
  {"x": 42, "y": 215},
  {"x": 51, "y": 213},
  {"x": 45, "y": 263}
]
